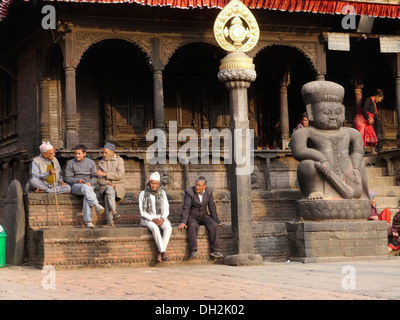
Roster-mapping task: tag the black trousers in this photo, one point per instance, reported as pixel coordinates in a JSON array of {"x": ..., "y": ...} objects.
[{"x": 212, "y": 228}]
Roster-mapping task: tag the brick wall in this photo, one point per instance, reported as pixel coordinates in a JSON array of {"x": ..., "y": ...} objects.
[{"x": 71, "y": 245}]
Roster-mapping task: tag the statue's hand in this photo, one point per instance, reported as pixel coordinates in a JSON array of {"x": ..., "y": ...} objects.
[
  {"x": 324, "y": 168},
  {"x": 357, "y": 176}
]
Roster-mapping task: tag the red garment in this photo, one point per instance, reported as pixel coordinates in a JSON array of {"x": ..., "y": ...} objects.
[
  {"x": 385, "y": 215},
  {"x": 366, "y": 130}
]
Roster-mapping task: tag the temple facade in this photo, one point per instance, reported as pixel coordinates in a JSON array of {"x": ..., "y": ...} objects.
[{"x": 112, "y": 72}]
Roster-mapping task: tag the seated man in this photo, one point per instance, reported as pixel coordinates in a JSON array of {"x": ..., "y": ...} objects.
[
  {"x": 110, "y": 173},
  {"x": 46, "y": 172},
  {"x": 154, "y": 211},
  {"x": 80, "y": 174},
  {"x": 194, "y": 213}
]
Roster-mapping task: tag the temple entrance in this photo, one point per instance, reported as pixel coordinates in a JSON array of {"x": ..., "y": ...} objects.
[
  {"x": 193, "y": 96},
  {"x": 362, "y": 71},
  {"x": 114, "y": 94},
  {"x": 281, "y": 71}
]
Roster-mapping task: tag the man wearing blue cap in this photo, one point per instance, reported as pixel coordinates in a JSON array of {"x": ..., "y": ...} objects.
[{"x": 110, "y": 177}]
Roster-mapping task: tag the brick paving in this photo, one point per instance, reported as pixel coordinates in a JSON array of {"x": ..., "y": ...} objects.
[{"x": 373, "y": 279}]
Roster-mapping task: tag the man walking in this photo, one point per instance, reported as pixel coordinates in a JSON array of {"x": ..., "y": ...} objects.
[
  {"x": 80, "y": 174},
  {"x": 196, "y": 201}
]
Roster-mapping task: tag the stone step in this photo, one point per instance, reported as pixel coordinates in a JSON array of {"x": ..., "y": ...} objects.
[
  {"x": 387, "y": 191},
  {"x": 42, "y": 208},
  {"x": 376, "y": 171},
  {"x": 378, "y": 181},
  {"x": 100, "y": 247},
  {"x": 387, "y": 202}
]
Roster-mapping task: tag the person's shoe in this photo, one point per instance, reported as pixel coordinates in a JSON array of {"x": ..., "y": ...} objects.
[
  {"x": 164, "y": 256},
  {"x": 159, "y": 257},
  {"x": 89, "y": 225},
  {"x": 100, "y": 209},
  {"x": 116, "y": 216},
  {"x": 193, "y": 255},
  {"x": 216, "y": 254},
  {"x": 109, "y": 225}
]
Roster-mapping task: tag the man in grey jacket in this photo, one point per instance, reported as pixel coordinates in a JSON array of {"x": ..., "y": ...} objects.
[
  {"x": 80, "y": 174},
  {"x": 196, "y": 201},
  {"x": 110, "y": 178}
]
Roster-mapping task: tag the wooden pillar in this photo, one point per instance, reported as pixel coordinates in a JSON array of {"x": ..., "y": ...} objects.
[
  {"x": 284, "y": 110},
  {"x": 159, "y": 112},
  {"x": 158, "y": 67},
  {"x": 358, "y": 96},
  {"x": 44, "y": 110},
  {"x": 70, "y": 108},
  {"x": 397, "y": 84}
]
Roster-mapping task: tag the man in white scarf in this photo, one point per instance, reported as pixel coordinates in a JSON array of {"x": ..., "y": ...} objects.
[{"x": 154, "y": 211}]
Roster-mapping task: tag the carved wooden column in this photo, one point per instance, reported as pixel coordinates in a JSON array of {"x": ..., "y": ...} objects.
[
  {"x": 358, "y": 96},
  {"x": 158, "y": 67},
  {"x": 398, "y": 109},
  {"x": 284, "y": 110},
  {"x": 159, "y": 112},
  {"x": 44, "y": 110},
  {"x": 70, "y": 108}
]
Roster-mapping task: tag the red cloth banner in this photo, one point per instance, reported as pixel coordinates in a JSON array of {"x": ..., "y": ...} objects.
[{"x": 315, "y": 6}]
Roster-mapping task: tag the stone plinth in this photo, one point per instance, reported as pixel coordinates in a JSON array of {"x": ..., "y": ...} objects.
[
  {"x": 337, "y": 209},
  {"x": 336, "y": 240}
]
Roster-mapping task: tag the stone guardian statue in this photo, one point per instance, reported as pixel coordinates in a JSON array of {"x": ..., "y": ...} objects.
[{"x": 331, "y": 156}]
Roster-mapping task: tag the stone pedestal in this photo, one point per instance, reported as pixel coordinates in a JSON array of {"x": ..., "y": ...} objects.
[
  {"x": 326, "y": 241},
  {"x": 327, "y": 209}
]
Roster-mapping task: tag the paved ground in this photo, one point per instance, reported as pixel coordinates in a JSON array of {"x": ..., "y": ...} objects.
[{"x": 374, "y": 279}]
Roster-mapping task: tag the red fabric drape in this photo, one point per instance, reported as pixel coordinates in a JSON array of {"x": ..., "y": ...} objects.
[
  {"x": 315, "y": 6},
  {"x": 4, "y": 5}
]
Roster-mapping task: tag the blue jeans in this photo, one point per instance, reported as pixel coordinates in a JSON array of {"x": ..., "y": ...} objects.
[{"x": 89, "y": 199}]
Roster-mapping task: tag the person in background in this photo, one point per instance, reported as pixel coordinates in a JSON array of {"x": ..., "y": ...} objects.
[{"x": 365, "y": 118}]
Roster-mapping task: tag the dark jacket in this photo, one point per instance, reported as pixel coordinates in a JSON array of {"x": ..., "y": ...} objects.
[
  {"x": 368, "y": 106},
  {"x": 194, "y": 208}
]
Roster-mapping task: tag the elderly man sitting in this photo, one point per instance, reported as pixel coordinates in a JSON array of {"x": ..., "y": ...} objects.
[
  {"x": 110, "y": 177},
  {"x": 46, "y": 172},
  {"x": 154, "y": 211}
]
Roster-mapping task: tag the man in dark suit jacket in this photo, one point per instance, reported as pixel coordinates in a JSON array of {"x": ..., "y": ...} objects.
[{"x": 194, "y": 214}]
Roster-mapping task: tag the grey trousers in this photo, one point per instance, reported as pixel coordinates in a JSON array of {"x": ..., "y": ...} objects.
[{"x": 36, "y": 183}]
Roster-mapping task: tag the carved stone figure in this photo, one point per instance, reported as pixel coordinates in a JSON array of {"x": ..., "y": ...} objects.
[{"x": 330, "y": 155}]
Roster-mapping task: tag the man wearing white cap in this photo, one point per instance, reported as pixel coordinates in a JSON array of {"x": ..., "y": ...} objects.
[
  {"x": 154, "y": 211},
  {"x": 46, "y": 168}
]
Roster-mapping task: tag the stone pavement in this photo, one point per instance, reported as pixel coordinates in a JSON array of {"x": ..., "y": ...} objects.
[{"x": 370, "y": 279}]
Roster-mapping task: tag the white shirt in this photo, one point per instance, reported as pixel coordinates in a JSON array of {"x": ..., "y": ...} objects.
[
  {"x": 201, "y": 195},
  {"x": 151, "y": 215}
]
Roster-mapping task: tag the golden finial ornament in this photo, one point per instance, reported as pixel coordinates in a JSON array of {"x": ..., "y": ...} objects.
[{"x": 236, "y": 29}]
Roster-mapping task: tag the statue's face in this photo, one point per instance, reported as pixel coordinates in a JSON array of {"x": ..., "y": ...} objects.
[{"x": 328, "y": 115}]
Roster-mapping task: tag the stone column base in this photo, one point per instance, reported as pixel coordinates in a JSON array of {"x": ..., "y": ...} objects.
[
  {"x": 337, "y": 240},
  {"x": 244, "y": 260}
]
